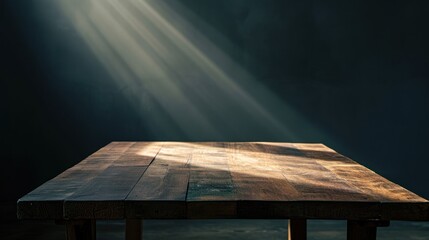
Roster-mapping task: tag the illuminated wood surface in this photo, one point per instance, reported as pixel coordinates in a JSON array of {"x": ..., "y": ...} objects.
[
  {"x": 153, "y": 180},
  {"x": 220, "y": 180}
]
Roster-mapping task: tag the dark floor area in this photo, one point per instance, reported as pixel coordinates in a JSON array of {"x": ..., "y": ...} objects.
[{"x": 12, "y": 229}]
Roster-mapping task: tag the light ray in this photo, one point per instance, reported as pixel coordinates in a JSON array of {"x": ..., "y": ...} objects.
[{"x": 150, "y": 50}]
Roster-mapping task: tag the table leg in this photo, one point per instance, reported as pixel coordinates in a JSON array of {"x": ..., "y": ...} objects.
[
  {"x": 80, "y": 229},
  {"x": 297, "y": 229},
  {"x": 364, "y": 230},
  {"x": 133, "y": 229}
]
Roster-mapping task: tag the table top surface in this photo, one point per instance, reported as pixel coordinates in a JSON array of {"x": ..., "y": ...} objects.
[{"x": 220, "y": 180}]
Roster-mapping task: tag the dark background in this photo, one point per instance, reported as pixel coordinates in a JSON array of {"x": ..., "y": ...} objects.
[{"x": 358, "y": 70}]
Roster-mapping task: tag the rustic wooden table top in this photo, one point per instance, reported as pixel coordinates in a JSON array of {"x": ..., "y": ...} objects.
[{"x": 220, "y": 180}]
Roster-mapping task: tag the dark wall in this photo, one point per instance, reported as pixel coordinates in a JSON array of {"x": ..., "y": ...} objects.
[{"x": 358, "y": 70}]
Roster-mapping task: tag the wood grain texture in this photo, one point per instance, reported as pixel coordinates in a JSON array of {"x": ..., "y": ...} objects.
[
  {"x": 46, "y": 201},
  {"x": 161, "y": 191},
  {"x": 358, "y": 176},
  {"x": 258, "y": 177},
  {"x": 103, "y": 197},
  {"x": 211, "y": 192},
  {"x": 221, "y": 180}
]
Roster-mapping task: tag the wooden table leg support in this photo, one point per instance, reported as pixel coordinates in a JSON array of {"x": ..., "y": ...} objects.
[
  {"x": 364, "y": 230},
  {"x": 133, "y": 229},
  {"x": 80, "y": 230},
  {"x": 297, "y": 229}
]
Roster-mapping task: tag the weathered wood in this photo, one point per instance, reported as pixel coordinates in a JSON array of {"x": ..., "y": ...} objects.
[
  {"x": 161, "y": 191},
  {"x": 221, "y": 180},
  {"x": 80, "y": 230},
  {"x": 133, "y": 229},
  {"x": 412, "y": 211},
  {"x": 358, "y": 176},
  {"x": 46, "y": 201},
  {"x": 297, "y": 229},
  {"x": 103, "y": 197},
  {"x": 292, "y": 185},
  {"x": 307, "y": 209},
  {"x": 211, "y": 193},
  {"x": 313, "y": 181},
  {"x": 256, "y": 177}
]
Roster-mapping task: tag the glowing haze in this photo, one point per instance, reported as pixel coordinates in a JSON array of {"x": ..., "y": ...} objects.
[{"x": 181, "y": 84}]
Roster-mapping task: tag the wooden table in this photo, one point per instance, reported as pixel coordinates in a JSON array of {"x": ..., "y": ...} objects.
[{"x": 206, "y": 180}]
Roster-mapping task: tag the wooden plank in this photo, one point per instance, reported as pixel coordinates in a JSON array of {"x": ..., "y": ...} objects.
[
  {"x": 373, "y": 184},
  {"x": 46, "y": 201},
  {"x": 307, "y": 209},
  {"x": 261, "y": 188},
  {"x": 256, "y": 177},
  {"x": 103, "y": 197},
  {"x": 395, "y": 201},
  {"x": 408, "y": 211},
  {"x": 210, "y": 178},
  {"x": 308, "y": 187},
  {"x": 357, "y": 175},
  {"x": 161, "y": 191},
  {"x": 211, "y": 192},
  {"x": 221, "y": 180},
  {"x": 313, "y": 181},
  {"x": 276, "y": 181}
]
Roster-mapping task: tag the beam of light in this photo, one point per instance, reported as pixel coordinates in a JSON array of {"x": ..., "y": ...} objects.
[
  {"x": 180, "y": 82},
  {"x": 256, "y": 165}
]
